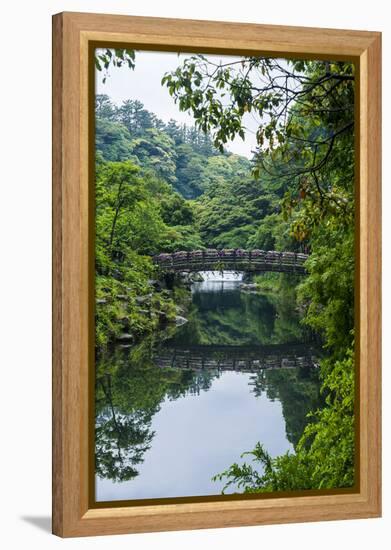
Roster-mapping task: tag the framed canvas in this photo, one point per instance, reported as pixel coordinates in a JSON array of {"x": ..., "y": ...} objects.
[{"x": 216, "y": 274}]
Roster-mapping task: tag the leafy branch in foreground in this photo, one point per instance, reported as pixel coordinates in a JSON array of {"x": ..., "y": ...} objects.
[
  {"x": 113, "y": 57},
  {"x": 324, "y": 456},
  {"x": 303, "y": 113}
]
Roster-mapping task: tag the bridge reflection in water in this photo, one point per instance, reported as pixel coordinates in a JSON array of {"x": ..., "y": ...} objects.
[
  {"x": 242, "y": 358},
  {"x": 182, "y": 405}
]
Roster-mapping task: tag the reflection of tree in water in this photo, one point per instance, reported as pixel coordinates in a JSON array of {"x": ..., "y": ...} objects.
[
  {"x": 296, "y": 389},
  {"x": 129, "y": 392},
  {"x": 231, "y": 317},
  {"x": 121, "y": 438},
  {"x": 130, "y": 388}
]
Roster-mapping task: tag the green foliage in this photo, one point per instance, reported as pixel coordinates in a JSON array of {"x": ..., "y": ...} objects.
[
  {"x": 110, "y": 57},
  {"x": 129, "y": 391},
  {"x": 324, "y": 457},
  {"x": 155, "y": 150},
  {"x": 296, "y": 194},
  {"x": 306, "y": 142},
  {"x": 274, "y": 233},
  {"x": 135, "y": 118},
  {"x": 123, "y": 208},
  {"x": 174, "y": 152},
  {"x": 238, "y": 318},
  {"x": 133, "y": 211},
  {"x": 298, "y": 392},
  {"x": 112, "y": 140},
  {"x": 328, "y": 291},
  {"x": 230, "y": 208},
  {"x": 176, "y": 211}
]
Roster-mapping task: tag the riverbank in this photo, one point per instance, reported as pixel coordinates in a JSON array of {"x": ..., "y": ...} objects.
[{"x": 126, "y": 312}]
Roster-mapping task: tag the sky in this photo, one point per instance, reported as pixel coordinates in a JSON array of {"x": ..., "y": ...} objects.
[
  {"x": 144, "y": 83},
  {"x": 228, "y": 419}
]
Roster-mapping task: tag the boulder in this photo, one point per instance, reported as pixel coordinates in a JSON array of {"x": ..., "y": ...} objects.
[
  {"x": 179, "y": 320},
  {"x": 155, "y": 284},
  {"x": 125, "y": 337},
  {"x": 249, "y": 287},
  {"x": 196, "y": 277},
  {"x": 143, "y": 299}
]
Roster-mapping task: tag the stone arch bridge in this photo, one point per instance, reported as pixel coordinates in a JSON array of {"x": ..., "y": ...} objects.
[{"x": 256, "y": 261}]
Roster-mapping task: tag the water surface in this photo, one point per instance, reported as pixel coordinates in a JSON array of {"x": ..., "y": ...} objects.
[{"x": 173, "y": 412}]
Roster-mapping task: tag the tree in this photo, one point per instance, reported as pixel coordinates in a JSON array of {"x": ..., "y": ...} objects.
[
  {"x": 155, "y": 150},
  {"x": 113, "y": 57},
  {"x": 104, "y": 107},
  {"x": 129, "y": 392},
  {"x": 305, "y": 112},
  {"x": 112, "y": 140},
  {"x": 121, "y": 438},
  {"x": 305, "y": 138},
  {"x": 134, "y": 117}
]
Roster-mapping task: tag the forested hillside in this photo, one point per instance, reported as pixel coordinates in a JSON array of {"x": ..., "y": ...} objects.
[
  {"x": 166, "y": 187},
  {"x": 180, "y": 155},
  {"x": 233, "y": 209}
]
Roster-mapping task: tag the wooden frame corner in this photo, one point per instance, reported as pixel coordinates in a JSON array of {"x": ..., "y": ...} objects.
[{"x": 73, "y": 33}]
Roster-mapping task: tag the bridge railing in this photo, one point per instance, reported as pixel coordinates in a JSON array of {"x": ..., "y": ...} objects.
[
  {"x": 253, "y": 260},
  {"x": 245, "y": 362}
]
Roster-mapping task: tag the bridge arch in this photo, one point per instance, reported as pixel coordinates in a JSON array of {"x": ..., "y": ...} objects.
[
  {"x": 255, "y": 261},
  {"x": 244, "y": 358}
]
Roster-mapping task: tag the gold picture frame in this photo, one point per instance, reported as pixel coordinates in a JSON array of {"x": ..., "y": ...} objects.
[{"x": 75, "y": 35}]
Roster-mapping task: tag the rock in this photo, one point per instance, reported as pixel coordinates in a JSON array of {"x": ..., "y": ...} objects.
[
  {"x": 179, "y": 320},
  {"x": 124, "y": 337},
  {"x": 186, "y": 278},
  {"x": 196, "y": 277},
  {"x": 157, "y": 285},
  {"x": 143, "y": 299},
  {"x": 167, "y": 293},
  {"x": 122, "y": 297},
  {"x": 249, "y": 287},
  {"x": 101, "y": 301}
]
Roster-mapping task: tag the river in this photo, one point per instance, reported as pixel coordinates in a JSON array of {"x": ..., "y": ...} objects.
[{"x": 172, "y": 412}]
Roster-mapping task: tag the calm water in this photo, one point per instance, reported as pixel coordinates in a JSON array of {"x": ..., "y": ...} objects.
[{"x": 173, "y": 412}]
